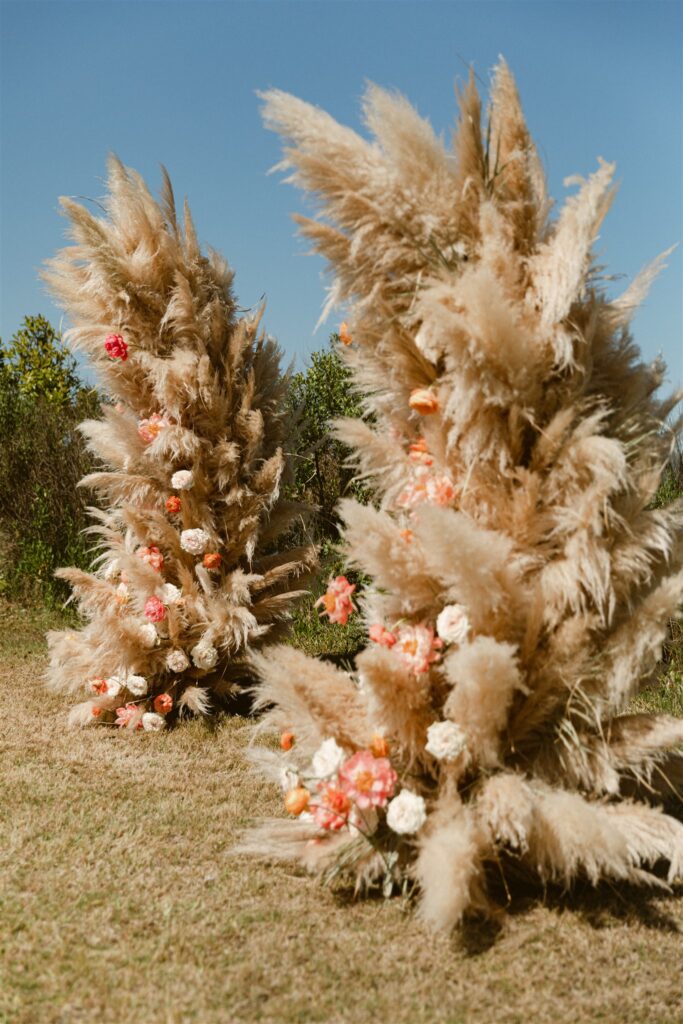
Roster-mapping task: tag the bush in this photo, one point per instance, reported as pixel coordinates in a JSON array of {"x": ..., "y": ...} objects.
[{"x": 42, "y": 458}]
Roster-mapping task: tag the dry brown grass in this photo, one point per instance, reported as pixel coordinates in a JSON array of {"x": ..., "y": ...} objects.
[{"x": 119, "y": 901}]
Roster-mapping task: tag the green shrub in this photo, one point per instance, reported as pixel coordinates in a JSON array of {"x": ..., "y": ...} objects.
[{"x": 42, "y": 458}]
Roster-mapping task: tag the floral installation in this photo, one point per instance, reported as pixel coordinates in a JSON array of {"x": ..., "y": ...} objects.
[
  {"x": 520, "y": 576},
  {"x": 195, "y": 569}
]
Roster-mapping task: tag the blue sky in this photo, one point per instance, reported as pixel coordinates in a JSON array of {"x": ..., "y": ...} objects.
[{"x": 175, "y": 83}]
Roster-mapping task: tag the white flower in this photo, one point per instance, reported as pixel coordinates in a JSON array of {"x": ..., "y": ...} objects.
[
  {"x": 151, "y": 722},
  {"x": 204, "y": 654},
  {"x": 177, "y": 661},
  {"x": 452, "y": 625},
  {"x": 445, "y": 741},
  {"x": 148, "y": 634},
  {"x": 122, "y": 595},
  {"x": 137, "y": 685},
  {"x": 182, "y": 480},
  {"x": 194, "y": 541},
  {"x": 328, "y": 759},
  {"x": 406, "y": 813},
  {"x": 114, "y": 686},
  {"x": 169, "y": 593},
  {"x": 289, "y": 779}
]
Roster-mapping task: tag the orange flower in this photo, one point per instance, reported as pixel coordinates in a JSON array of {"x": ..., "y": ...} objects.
[
  {"x": 212, "y": 560},
  {"x": 296, "y": 800},
  {"x": 287, "y": 741},
  {"x": 95, "y": 711},
  {"x": 424, "y": 400},
  {"x": 344, "y": 334},
  {"x": 379, "y": 746},
  {"x": 163, "y": 703},
  {"x": 419, "y": 452},
  {"x": 98, "y": 685},
  {"x": 173, "y": 505},
  {"x": 407, "y": 536}
]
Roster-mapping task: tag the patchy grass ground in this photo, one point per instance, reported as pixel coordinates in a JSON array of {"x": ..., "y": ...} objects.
[{"x": 119, "y": 902}]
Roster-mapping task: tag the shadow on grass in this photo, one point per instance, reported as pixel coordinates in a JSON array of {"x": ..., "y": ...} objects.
[{"x": 601, "y": 906}]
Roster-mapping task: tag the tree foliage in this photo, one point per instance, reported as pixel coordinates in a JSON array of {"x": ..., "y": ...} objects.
[{"x": 318, "y": 395}]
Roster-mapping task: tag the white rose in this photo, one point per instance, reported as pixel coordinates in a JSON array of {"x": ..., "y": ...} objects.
[
  {"x": 194, "y": 541},
  {"x": 406, "y": 813},
  {"x": 114, "y": 686},
  {"x": 445, "y": 740},
  {"x": 148, "y": 634},
  {"x": 204, "y": 655},
  {"x": 137, "y": 685},
  {"x": 328, "y": 759},
  {"x": 169, "y": 593},
  {"x": 151, "y": 722},
  {"x": 177, "y": 661},
  {"x": 182, "y": 480},
  {"x": 452, "y": 624}
]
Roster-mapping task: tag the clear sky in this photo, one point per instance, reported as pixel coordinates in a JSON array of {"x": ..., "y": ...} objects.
[{"x": 175, "y": 83}]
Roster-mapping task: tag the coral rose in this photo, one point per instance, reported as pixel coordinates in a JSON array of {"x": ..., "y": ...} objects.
[
  {"x": 152, "y": 556},
  {"x": 173, "y": 505},
  {"x": 163, "y": 703},
  {"x": 417, "y": 647},
  {"x": 154, "y": 609},
  {"x": 336, "y": 600},
  {"x": 379, "y": 634},
  {"x": 331, "y": 809},
  {"x": 211, "y": 560},
  {"x": 149, "y": 429},
  {"x": 367, "y": 780}
]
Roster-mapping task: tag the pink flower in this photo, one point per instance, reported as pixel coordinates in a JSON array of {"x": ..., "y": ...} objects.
[
  {"x": 330, "y": 807},
  {"x": 381, "y": 635},
  {"x": 336, "y": 601},
  {"x": 150, "y": 428},
  {"x": 367, "y": 780},
  {"x": 116, "y": 347},
  {"x": 417, "y": 647},
  {"x": 154, "y": 609},
  {"x": 126, "y": 715},
  {"x": 427, "y": 487},
  {"x": 152, "y": 556}
]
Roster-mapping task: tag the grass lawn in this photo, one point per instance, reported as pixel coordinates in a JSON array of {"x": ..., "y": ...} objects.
[{"x": 119, "y": 901}]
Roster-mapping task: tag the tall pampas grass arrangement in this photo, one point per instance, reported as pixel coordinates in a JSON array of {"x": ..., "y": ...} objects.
[
  {"x": 190, "y": 574},
  {"x": 521, "y": 581}
]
